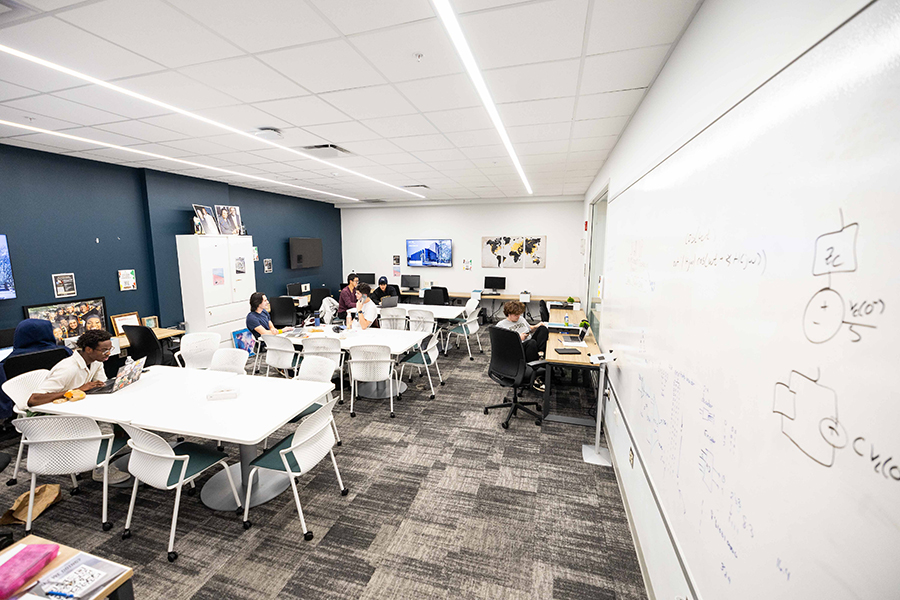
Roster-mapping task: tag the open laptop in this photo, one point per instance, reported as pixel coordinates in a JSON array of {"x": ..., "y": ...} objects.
[
  {"x": 126, "y": 375},
  {"x": 574, "y": 339},
  {"x": 389, "y": 301}
]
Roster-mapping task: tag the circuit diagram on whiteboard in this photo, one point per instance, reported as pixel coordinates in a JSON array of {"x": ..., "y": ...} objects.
[{"x": 809, "y": 417}]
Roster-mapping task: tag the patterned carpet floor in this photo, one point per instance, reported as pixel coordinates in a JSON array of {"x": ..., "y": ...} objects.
[{"x": 443, "y": 503}]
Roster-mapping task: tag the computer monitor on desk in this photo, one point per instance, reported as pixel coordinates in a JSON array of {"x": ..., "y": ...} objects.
[
  {"x": 366, "y": 278},
  {"x": 493, "y": 285},
  {"x": 295, "y": 289},
  {"x": 410, "y": 282}
]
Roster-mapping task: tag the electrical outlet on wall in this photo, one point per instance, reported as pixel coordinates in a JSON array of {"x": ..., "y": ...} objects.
[{"x": 305, "y": 287}]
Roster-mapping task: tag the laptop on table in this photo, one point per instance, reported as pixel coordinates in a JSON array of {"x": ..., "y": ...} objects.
[
  {"x": 389, "y": 301},
  {"x": 126, "y": 375},
  {"x": 574, "y": 339}
]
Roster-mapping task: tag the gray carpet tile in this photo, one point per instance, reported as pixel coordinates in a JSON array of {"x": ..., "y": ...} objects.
[{"x": 443, "y": 503}]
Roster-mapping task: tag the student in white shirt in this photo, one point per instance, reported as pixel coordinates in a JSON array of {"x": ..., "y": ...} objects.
[{"x": 365, "y": 308}]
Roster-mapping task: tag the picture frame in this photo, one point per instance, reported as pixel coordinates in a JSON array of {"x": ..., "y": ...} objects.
[
  {"x": 229, "y": 219},
  {"x": 64, "y": 285},
  {"x": 123, "y": 319},
  {"x": 151, "y": 322},
  {"x": 88, "y": 313},
  {"x": 207, "y": 219},
  {"x": 244, "y": 340},
  {"x": 267, "y": 265}
]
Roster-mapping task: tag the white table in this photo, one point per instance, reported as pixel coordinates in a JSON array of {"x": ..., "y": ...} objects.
[
  {"x": 173, "y": 400},
  {"x": 440, "y": 311}
]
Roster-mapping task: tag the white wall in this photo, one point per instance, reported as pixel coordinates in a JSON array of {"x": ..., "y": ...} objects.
[{"x": 371, "y": 236}]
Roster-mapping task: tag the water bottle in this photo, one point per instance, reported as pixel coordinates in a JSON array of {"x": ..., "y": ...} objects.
[
  {"x": 318, "y": 321},
  {"x": 128, "y": 360},
  {"x": 567, "y": 320}
]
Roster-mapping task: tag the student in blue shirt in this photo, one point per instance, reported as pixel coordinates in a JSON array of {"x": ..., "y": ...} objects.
[{"x": 258, "y": 320}]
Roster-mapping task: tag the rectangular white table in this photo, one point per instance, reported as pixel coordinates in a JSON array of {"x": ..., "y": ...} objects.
[
  {"x": 440, "y": 311},
  {"x": 173, "y": 400}
]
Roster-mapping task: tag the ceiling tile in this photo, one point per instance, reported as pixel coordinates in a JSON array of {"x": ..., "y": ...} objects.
[
  {"x": 8, "y": 91},
  {"x": 260, "y": 27},
  {"x": 482, "y": 137},
  {"x": 485, "y": 151},
  {"x": 198, "y": 146},
  {"x": 423, "y": 142},
  {"x": 176, "y": 89},
  {"x": 549, "y": 147},
  {"x": 544, "y": 159},
  {"x": 246, "y": 158},
  {"x": 370, "y": 102},
  {"x": 31, "y": 76},
  {"x": 593, "y": 143},
  {"x": 372, "y": 148},
  {"x": 183, "y": 125},
  {"x": 576, "y": 157},
  {"x": 66, "y": 144},
  {"x": 61, "y": 43},
  {"x": 463, "y": 6},
  {"x": 553, "y": 110},
  {"x": 93, "y": 133},
  {"x": 534, "y": 32},
  {"x": 393, "y": 51},
  {"x": 47, "y": 5},
  {"x": 401, "y": 126},
  {"x": 598, "y": 127},
  {"x": 460, "y": 119},
  {"x": 163, "y": 150},
  {"x": 295, "y": 137},
  {"x": 533, "y": 82},
  {"x": 110, "y": 101},
  {"x": 324, "y": 67},
  {"x": 399, "y": 158},
  {"x": 439, "y": 155},
  {"x": 353, "y": 16},
  {"x": 245, "y": 78},
  {"x": 538, "y": 133},
  {"x": 57, "y": 108},
  {"x": 623, "y": 24},
  {"x": 243, "y": 117},
  {"x": 610, "y": 104},
  {"x": 308, "y": 110},
  {"x": 141, "y": 131},
  {"x": 441, "y": 93},
  {"x": 239, "y": 142},
  {"x": 343, "y": 132},
  {"x": 152, "y": 29},
  {"x": 624, "y": 70}
]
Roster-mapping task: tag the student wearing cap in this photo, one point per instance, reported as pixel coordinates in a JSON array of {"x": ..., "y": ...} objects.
[{"x": 382, "y": 290}]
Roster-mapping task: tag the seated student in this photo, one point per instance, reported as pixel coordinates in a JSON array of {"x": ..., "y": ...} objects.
[
  {"x": 81, "y": 371},
  {"x": 382, "y": 290},
  {"x": 534, "y": 337},
  {"x": 258, "y": 320},
  {"x": 365, "y": 308},
  {"x": 347, "y": 299}
]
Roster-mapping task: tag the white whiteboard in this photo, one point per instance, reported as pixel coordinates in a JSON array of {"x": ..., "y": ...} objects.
[{"x": 752, "y": 292}]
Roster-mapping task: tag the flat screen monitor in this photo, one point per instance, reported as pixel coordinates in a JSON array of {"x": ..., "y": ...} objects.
[
  {"x": 366, "y": 278},
  {"x": 71, "y": 318},
  {"x": 411, "y": 282},
  {"x": 7, "y": 285},
  {"x": 429, "y": 253},
  {"x": 295, "y": 289},
  {"x": 305, "y": 253},
  {"x": 495, "y": 283}
]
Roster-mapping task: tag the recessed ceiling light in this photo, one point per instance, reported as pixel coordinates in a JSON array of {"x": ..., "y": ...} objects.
[
  {"x": 163, "y": 157},
  {"x": 268, "y": 133},
  {"x": 186, "y": 113},
  {"x": 451, "y": 24}
]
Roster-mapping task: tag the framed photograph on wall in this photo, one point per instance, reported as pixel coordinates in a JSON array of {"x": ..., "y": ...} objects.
[
  {"x": 207, "y": 221},
  {"x": 64, "y": 285},
  {"x": 124, "y": 319},
  {"x": 267, "y": 265},
  {"x": 151, "y": 322},
  {"x": 71, "y": 318}
]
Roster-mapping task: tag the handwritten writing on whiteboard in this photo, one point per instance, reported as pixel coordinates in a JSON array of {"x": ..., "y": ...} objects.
[{"x": 754, "y": 260}]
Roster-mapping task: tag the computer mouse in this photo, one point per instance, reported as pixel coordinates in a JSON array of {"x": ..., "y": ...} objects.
[{"x": 336, "y": 328}]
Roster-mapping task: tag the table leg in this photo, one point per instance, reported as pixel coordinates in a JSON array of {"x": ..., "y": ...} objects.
[
  {"x": 548, "y": 376},
  {"x": 216, "y": 493},
  {"x": 123, "y": 592}
]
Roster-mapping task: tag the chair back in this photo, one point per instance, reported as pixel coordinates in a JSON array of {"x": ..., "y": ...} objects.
[
  {"x": 545, "y": 312},
  {"x": 143, "y": 464},
  {"x": 21, "y": 387},
  {"x": 471, "y": 325},
  {"x": 197, "y": 349},
  {"x": 230, "y": 360},
  {"x": 280, "y": 352},
  {"x": 472, "y": 306},
  {"x": 328, "y": 310},
  {"x": 316, "y": 295},
  {"x": 23, "y": 363},
  {"x": 7, "y": 337},
  {"x": 57, "y": 444},
  {"x": 324, "y": 347},
  {"x": 421, "y": 320},
  {"x": 371, "y": 362},
  {"x": 283, "y": 312},
  {"x": 433, "y": 296},
  {"x": 315, "y": 438},
  {"x": 392, "y": 318},
  {"x": 143, "y": 342},
  {"x": 316, "y": 368},
  {"x": 445, "y": 295},
  {"x": 430, "y": 352},
  {"x": 507, "y": 357}
]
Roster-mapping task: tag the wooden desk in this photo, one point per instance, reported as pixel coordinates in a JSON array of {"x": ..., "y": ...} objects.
[
  {"x": 574, "y": 361},
  {"x": 502, "y": 297},
  {"x": 118, "y": 589},
  {"x": 161, "y": 334}
]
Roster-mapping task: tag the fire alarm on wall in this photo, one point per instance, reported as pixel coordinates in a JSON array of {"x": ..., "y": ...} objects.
[{"x": 585, "y": 225}]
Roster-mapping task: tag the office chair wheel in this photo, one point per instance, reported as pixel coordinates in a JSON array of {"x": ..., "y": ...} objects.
[
  {"x": 399, "y": 396},
  {"x": 504, "y": 425},
  {"x": 392, "y": 415},
  {"x": 442, "y": 383},
  {"x": 345, "y": 491},
  {"x": 431, "y": 397},
  {"x": 485, "y": 411},
  {"x": 126, "y": 534},
  {"x": 107, "y": 526},
  {"x": 191, "y": 491},
  {"x": 172, "y": 556},
  {"x": 353, "y": 414},
  {"x": 308, "y": 535},
  {"x": 12, "y": 482},
  {"x": 471, "y": 358},
  {"x": 420, "y": 376},
  {"x": 75, "y": 491},
  {"x": 78, "y": 476},
  {"x": 220, "y": 448},
  {"x": 340, "y": 401},
  {"x": 179, "y": 439},
  {"x": 247, "y": 524},
  {"x": 481, "y": 351},
  {"x": 338, "y": 443},
  {"x": 537, "y": 422}
]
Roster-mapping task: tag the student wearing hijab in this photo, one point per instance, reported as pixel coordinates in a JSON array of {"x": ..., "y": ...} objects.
[{"x": 32, "y": 335}]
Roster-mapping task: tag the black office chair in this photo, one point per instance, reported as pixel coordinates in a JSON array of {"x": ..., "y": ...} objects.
[
  {"x": 316, "y": 296},
  {"x": 509, "y": 369},
  {"x": 445, "y": 296},
  {"x": 23, "y": 363},
  {"x": 433, "y": 296},
  {"x": 7, "y": 337},
  {"x": 395, "y": 288},
  {"x": 142, "y": 342},
  {"x": 284, "y": 312},
  {"x": 545, "y": 312}
]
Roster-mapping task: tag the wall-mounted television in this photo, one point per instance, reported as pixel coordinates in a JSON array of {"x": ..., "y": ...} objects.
[
  {"x": 305, "y": 252},
  {"x": 7, "y": 285},
  {"x": 429, "y": 253}
]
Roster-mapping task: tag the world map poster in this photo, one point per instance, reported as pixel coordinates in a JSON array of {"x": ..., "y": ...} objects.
[{"x": 514, "y": 252}]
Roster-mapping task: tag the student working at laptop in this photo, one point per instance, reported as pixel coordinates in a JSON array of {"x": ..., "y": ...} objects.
[
  {"x": 534, "y": 337},
  {"x": 81, "y": 371},
  {"x": 382, "y": 291}
]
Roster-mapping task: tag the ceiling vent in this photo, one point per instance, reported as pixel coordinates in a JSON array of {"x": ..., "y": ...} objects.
[
  {"x": 417, "y": 186},
  {"x": 326, "y": 151},
  {"x": 373, "y": 201}
]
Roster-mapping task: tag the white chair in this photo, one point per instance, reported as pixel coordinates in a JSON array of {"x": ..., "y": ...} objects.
[
  {"x": 371, "y": 363},
  {"x": 392, "y": 318},
  {"x": 329, "y": 348},
  {"x": 280, "y": 353},
  {"x": 470, "y": 327},
  {"x": 197, "y": 350},
  {"x": 427, "y": 355},
  {"x": 423, "y": 320},
  {"x": 154, "y": 462},
  {"x": 297, "y": 454},
  {"x": 19, "y": 389},
  {"x": 60, "y": 445},
  {"x": 230, "y": 360},
  {"x": 321, "y": 369},
  {"x": 472, "y": 306}
]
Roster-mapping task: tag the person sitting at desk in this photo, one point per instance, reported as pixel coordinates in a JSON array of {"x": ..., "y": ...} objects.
[
  {"x": 382, "y": 290},
  {"x": 365, "y": 308},
  {"x": 347, "y": 299},
  {"x": 258, "y": 320},
  {"x": 81, "y": 371},
  {"x": 534, "y": 337}
]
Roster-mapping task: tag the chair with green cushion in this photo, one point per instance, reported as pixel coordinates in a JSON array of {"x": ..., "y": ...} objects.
[
  {"x": 297, "y": 454},
  {"x": 155, "y": 463},
  {"x": 470, "y": 327},
  {"x": 316, "y": 368},
  {"x": 472, "y": 306},
  {"x": 427, "y": 355}
]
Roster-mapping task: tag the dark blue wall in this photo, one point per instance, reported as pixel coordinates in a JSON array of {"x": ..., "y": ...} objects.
[{"x": 52, "y": 208}]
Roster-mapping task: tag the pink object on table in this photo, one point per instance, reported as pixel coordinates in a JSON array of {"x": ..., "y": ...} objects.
[{"x": 24, "y": 565}]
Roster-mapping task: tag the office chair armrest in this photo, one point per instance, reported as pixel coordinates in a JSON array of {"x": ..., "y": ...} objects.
[{"x": 537, "y": 363}]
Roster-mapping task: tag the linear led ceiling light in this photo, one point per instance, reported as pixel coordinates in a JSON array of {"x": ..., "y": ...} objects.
[
  {"x": 186, "y": 113},
  {"x": 451, "y": 24},
  {"x": 160, "y": 156}
]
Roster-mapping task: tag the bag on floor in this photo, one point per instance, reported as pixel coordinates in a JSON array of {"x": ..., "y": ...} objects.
[{"x": 44, "y": 497}]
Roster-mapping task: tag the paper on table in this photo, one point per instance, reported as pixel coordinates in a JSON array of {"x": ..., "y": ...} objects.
[{"x": 575, "y": 344}]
